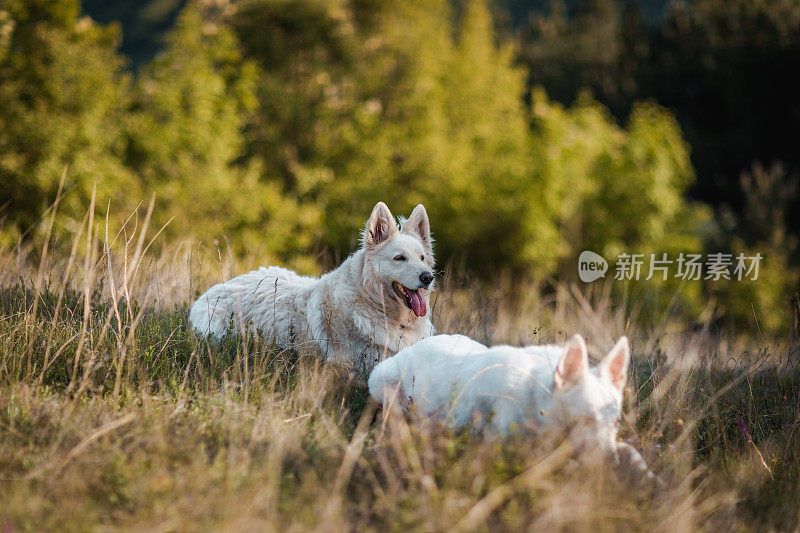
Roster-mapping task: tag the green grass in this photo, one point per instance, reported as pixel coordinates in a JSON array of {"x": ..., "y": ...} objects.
[{"x": 116, "y": 416}]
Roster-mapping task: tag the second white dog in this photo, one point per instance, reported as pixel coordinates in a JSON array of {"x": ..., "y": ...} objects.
[{"x": 543, "y": 388}]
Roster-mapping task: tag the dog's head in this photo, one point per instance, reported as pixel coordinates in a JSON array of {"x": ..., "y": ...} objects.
[
  {"x": 589, "y": 401},
  {"x": 401, "y": 259}
]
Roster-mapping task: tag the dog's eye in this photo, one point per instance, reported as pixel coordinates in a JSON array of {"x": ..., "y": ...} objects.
[
  {"x": 400, "y": 258},
  {"x": 422, "y": 258}
]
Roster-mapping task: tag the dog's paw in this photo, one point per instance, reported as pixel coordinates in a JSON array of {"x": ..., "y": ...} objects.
[{"x": 632, "y": 465}]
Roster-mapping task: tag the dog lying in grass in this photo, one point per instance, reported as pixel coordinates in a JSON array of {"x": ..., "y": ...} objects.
[
  {"x": 370, "y": 307},
  {"x": 542, "y": 389}
]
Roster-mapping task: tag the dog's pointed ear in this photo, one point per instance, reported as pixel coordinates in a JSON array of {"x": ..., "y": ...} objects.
[
  {"x": 614, "y": 367},
  {"x": 380, "y": 225},
  {"x": 419, "y": 225},
  {"x": 573, "y": 364}
]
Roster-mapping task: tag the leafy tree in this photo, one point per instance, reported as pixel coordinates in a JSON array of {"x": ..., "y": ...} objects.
[
  {"x": 503, "y": 205},
  {"x": 442, "y": 122},
  {"x": 394, "y": 142},
  {"x": 762, "y": 304},
  {"x": 724, "y": 66},
  {"x": 391, "y": 101},
  {"x": 187, "y": 144},
  {"x": 430, "y": 110},
  {"x": 721, "y": 65},
  {"x": 304, "y": 51},
  {"x": 275, "y": 127},
  {"x": 620, "y": 190},
  {"x": 62, "y": 98}
]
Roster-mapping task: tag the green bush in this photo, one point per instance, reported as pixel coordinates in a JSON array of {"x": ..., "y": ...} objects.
[
  {"x": 63, "y": 98},
  {"x": 269, "y": 130}
]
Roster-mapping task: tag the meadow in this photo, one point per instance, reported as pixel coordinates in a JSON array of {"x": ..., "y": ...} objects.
[
  {"x": 265, "y": 130},
  {"x": 114, "y": 415}
]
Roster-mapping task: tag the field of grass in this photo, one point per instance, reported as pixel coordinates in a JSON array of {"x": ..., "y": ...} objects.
[{"x": 113, "y": 415}]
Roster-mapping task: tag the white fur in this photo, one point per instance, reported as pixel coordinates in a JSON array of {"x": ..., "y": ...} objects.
[
  {"x": 543, "y": 388},
  {"x": 350, "y": 315}
]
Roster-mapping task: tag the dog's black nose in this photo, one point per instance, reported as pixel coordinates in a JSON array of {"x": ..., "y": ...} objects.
[{"x": 426, "y": 278}]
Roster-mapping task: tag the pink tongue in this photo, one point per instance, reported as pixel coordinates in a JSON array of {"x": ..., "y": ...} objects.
[{"x": 418, "y": 303}]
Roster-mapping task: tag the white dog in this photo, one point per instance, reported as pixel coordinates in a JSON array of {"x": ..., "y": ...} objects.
[
  {"x": 370, "y": 307},
  {"x": 543, "y": 388}
]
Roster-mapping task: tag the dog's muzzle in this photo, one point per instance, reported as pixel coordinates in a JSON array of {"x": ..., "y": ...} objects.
[{"x": 413, "y": 299}]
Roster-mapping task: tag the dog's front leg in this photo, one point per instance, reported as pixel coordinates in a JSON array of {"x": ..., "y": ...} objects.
[{"x": 633, "y": 464}]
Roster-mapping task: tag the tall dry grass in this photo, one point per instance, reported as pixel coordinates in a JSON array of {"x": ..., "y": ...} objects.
[{"x": 112, "y": 414}]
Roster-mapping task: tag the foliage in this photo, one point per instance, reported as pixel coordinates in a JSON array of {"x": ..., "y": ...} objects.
[
  {"x": 447, "y": 128},
  {"x": 63, "y": 98},
  {"x": 431, "y": 112},
  {"x": 721, "y": 66},
  {"x": 619, "y": 189},
  {"x": 187, "y": 145},
  {"x": 267, "y": 130},
  {"x": 761, "y": 229}
]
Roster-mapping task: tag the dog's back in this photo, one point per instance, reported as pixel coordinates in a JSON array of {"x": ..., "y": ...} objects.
[
  {"x": 429, "y": 357},
  {"x": 453, "y": 378},
  {"x": 268, "y": 299}
]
